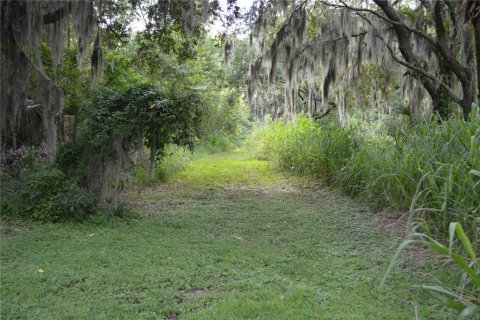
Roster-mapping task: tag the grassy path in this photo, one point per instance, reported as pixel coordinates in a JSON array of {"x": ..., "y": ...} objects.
[{"x": 229, "y": 238}]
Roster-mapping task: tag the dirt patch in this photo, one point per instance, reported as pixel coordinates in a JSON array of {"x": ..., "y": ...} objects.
[
  {"x": 136, "y": 301},
  {"x": 393, "y": 222},
  {"x": 171, "y": 315},
  {"x": 9, "y": 233},
  {"x": 259, "y": 189},
  {"x": 195, "y": 292}
]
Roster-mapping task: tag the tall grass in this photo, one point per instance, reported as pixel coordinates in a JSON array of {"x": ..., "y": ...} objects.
[
  {"x": 435, "y": 163},
  {"x": 460, "y": 296}
]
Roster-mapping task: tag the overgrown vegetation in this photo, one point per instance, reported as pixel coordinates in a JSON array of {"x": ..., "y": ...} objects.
[
  {"x": 429, "y": 169},
  {"x": 116, "y": 124},
  {"x": 113, "y": 126},
  {"x": 433, "y": 162},
  {"x": 42, "y": 193}
]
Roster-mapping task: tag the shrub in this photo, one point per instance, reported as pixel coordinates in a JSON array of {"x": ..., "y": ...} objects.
[
  {"x": 115, "y": 123},
  {"x": 42, "y": 193}
]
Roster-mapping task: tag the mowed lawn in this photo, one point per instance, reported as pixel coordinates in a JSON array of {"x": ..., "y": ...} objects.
[{"x": 228, "y": 238}]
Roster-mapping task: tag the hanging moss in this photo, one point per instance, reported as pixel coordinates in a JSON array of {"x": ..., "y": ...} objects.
[
  {"x": 23, "y": 26},
  {"x": 344, "y": 42}
]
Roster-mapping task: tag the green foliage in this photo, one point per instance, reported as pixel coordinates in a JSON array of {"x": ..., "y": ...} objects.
[
  {"x": 305, "y": 147},
  {"x": 120, "y": 69},
  {"x": 218, "y": 142},
  {"x": 224, "y": 122},
  {"x": 74, "y": 79},
  {"x": 42, "y": 193},
  {"x": 435, "y": 158},
  {"x": 224, "y": 113},
  {"x": 141, "y": 114},
  {"x": 175, "y": 160},
  {"x": 459, "y": 293},
  {"x": 237, "y": 68}
]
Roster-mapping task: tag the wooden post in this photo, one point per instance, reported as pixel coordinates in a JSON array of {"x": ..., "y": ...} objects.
[{"x": 69, "y": 128}]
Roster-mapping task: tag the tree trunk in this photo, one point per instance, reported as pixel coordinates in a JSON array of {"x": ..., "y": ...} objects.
[
  {"x": 441, "y": 100},
  {"x": 153, "y": 159},
  {"x": 441, "y": 45},
  {"x": 476, "y": 31}
]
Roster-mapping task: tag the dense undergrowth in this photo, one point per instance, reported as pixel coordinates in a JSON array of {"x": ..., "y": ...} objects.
[
  {"x": 434, "y": 163},
  {"x": 41, "y": 192}
]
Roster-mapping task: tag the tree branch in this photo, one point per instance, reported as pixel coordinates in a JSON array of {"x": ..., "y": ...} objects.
[
  {"x": 413, "y": 67},
  {"x": 115, "y": 33},
  {"x": 443, "y": 45},
  {"x": 54, "y": 16},
  {"x": 326, "y": 42},
  {"x": 386, "y": 19}
]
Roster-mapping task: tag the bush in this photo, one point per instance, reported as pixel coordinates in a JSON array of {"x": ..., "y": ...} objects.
[{"x": 42, "y": 193}]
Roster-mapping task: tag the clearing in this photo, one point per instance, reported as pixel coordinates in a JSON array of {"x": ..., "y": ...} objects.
[{"x": 228, "y": 238}]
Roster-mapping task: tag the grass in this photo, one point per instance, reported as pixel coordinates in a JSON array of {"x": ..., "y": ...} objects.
[
  {"x": 228, "y": 238},
  {"x": 221, "y": 169}
]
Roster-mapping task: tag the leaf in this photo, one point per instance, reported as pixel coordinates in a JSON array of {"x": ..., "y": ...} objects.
[
  {"x": 458, "y": 260},
  {"x": 449, "y": 293},
  {"x": 470, "y": 311},
  {"x": 456, "y": 227},
  {"x": 400, "y": 248},
  {"x": 475, "y": 172}
]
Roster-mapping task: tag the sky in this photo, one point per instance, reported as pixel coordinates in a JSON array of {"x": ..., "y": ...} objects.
[
  {"x": 138, "y": 25},
  {"x": 243, "y": 4}
]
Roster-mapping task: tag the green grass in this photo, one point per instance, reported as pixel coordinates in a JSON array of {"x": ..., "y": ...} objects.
[
  {"x": 222, "y": 169},
  {"x": 228, "y": 238}
]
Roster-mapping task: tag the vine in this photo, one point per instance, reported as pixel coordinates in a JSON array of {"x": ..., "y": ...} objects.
[{"x": 116, "y": 125}]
